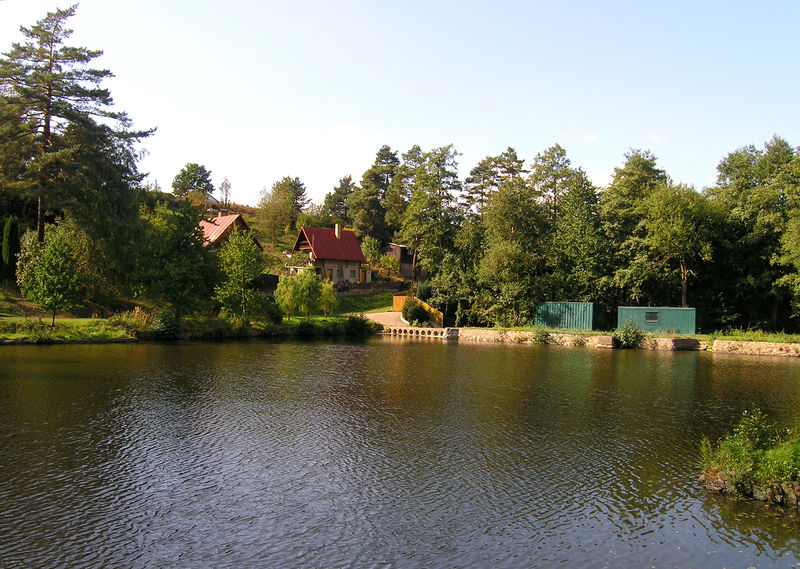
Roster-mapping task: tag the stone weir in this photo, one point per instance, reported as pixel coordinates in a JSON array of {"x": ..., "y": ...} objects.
[
  {"x": 413, "y": 332},
  {"x": 599, "y": 341}
]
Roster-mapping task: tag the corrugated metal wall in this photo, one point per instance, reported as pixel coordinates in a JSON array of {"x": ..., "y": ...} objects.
[
  {"x": 572, "y": 315},
  {"x": 659, "y": 318}
]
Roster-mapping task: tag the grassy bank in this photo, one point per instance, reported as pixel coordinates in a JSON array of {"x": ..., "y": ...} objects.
[
  {"x": 18, "y": 329},
  {"x": 365, "y": 303},
  {"x": 757, "y": 459},
  {"x": 131, "y": 326}
]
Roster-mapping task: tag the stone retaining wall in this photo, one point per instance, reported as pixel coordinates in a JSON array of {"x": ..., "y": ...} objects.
[
  {"x": 756, "y": 348},
  {"x": 604, "y": 341}
]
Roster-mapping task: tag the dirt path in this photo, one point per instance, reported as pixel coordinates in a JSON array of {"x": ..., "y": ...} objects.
[{"x": 386, "y": 318}]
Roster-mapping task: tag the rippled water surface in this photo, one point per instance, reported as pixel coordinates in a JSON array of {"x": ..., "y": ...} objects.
[{"x": 383, "y": 454}]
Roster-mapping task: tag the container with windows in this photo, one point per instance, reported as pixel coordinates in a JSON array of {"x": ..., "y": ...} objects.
[{"x": 659, "y": 318}]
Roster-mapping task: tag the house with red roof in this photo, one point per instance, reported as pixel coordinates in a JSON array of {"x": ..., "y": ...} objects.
[
  {"x": 217, "y": 230},
  {"x": 334, "y": 253}
]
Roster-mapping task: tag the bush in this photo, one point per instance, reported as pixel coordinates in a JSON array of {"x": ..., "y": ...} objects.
[
  {"x": 132, "y": 320},
  {"x": 306, "y": 330},
  {"x": 757, "y": 453},
  {"x": 628, "y": 335},
  {"x": 357, "y": 326},
  {"x": 263, "y": 308},
  {"x": 540, "y": 336},
  {"x": 413, "y": 312},
  {"x": 165, "y": 324}
]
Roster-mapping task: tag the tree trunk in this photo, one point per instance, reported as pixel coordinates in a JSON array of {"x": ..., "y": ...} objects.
[
  {"x": 684, "y": 282},
  {"x": 40, "y": 221},
  {"x": 414, "y": 259},
  {"x": 53, "y": 324}
]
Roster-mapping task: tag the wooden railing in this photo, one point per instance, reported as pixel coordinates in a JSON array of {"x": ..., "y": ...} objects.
[{"x": 433, "y": 314}]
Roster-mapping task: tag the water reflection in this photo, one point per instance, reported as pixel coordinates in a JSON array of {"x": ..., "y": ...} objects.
[{"x": 393, "y": 453}]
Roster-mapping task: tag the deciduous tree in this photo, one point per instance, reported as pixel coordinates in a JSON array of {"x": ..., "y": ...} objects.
[
  {"x": 48, "y": 275},
  {"x": 241, "y": 262},
  {"x": 193, "y": 179}
]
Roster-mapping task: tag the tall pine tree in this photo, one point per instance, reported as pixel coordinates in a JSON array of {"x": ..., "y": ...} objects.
[{"x": 48, "y": 87}]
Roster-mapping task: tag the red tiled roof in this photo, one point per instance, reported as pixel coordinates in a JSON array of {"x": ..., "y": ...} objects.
[
  {"x": 215, "y": 228},
  {"x": 324, "y": 244}
]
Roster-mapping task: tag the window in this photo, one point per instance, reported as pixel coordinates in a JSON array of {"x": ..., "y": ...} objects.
[
  {"x": 352, "y": 273},
  {"x": 651, "y": 316}
]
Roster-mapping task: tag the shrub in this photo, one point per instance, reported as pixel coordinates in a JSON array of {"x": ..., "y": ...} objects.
[
  {"x": 306, "y": 330},
  {"x": 132, "y": 320},
  {"x": 36, "y": 330},
  {"x": 357, "y": 326},
  {"x": 413, "y": 312},
  {"x": 165, "y": 324},
  {"x": 757, "y": 453},
  {"x": 628, "y": 335},
  {"x": 540, "y": 336},
  {"x": 578, "y": 341},
  {"x": 263, "y": 308}
]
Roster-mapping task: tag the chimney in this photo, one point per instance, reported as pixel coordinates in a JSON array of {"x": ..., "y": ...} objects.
[{"x": 337, "y": 230}]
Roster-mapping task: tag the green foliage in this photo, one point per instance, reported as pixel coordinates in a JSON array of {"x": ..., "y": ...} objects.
[
  {"x": 51, "y": 97},
  {"x": 309, "y": 290},
  {"x": 193, "y": 179},
  {"x": 165, "y": 324},
  {"x": 287, "y": 294},
  {"x": 431, "y": 216},
  {"x": 275, "y": 212},
  {"x": 10, "y": 247},
  {"x": 301, "y": 292},
  {"x": 413, "y": 312},
  {"x": 263, "y": 308},
  {"x": 335, "y": 204},
  {"x": 357, "y": 326},
  {"x": 424, "y": 290},
  {"x": 540, "y": 336},
  {"x": 371, "y": 248},
  {"x": 387, "y": 267},
  {"x": 174, "y": 265},
  {"x": 48, "y": 274},
  {"x": 628, "y": 335},
  {"x": 306, "y": 330},
  {"x": 241, "y": 263},
  {"x": 756, "y": 454},
  {"x": 328, "y": 300},
  {"x": 132, "y": 320}
]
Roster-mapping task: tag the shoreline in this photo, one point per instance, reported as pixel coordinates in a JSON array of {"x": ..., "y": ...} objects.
[
  {"x": 466, "y": 335},
  {"x": 600, "y": 341}
]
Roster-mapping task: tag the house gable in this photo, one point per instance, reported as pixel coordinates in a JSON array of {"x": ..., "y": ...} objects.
[
  {"x": 217, "y": 230},
  {"x": 324, "y": 244}
]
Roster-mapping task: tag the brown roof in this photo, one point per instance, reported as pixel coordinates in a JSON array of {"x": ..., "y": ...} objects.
[
  {"x": 324, "y": 244},
  {"x": 217, "y": 229}
]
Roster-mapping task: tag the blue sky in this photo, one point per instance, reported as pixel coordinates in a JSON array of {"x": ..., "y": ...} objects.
[{"x": 260, "y": 90}]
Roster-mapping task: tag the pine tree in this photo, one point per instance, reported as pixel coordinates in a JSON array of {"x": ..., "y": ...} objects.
[{"x": 47, "y": 87}]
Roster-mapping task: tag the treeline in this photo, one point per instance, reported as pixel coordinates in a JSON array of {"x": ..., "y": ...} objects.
[
  {"x": 512, "y": 234},
  {"x": 68, "y": 175},
  {"x": 488, "y": 248}
]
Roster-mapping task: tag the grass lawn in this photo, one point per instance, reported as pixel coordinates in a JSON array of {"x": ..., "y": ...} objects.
[
  {"x": 39, "y": 330},
  {"x": 358, "y": 303}
]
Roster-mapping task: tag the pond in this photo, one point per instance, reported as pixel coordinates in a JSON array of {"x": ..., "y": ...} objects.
[{"x": 387, "y": 453}]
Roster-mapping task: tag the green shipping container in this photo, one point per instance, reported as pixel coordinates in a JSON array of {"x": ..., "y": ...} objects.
[
  {"x": 571, "y": 315},
  {"x": 658, "y": 318}
]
